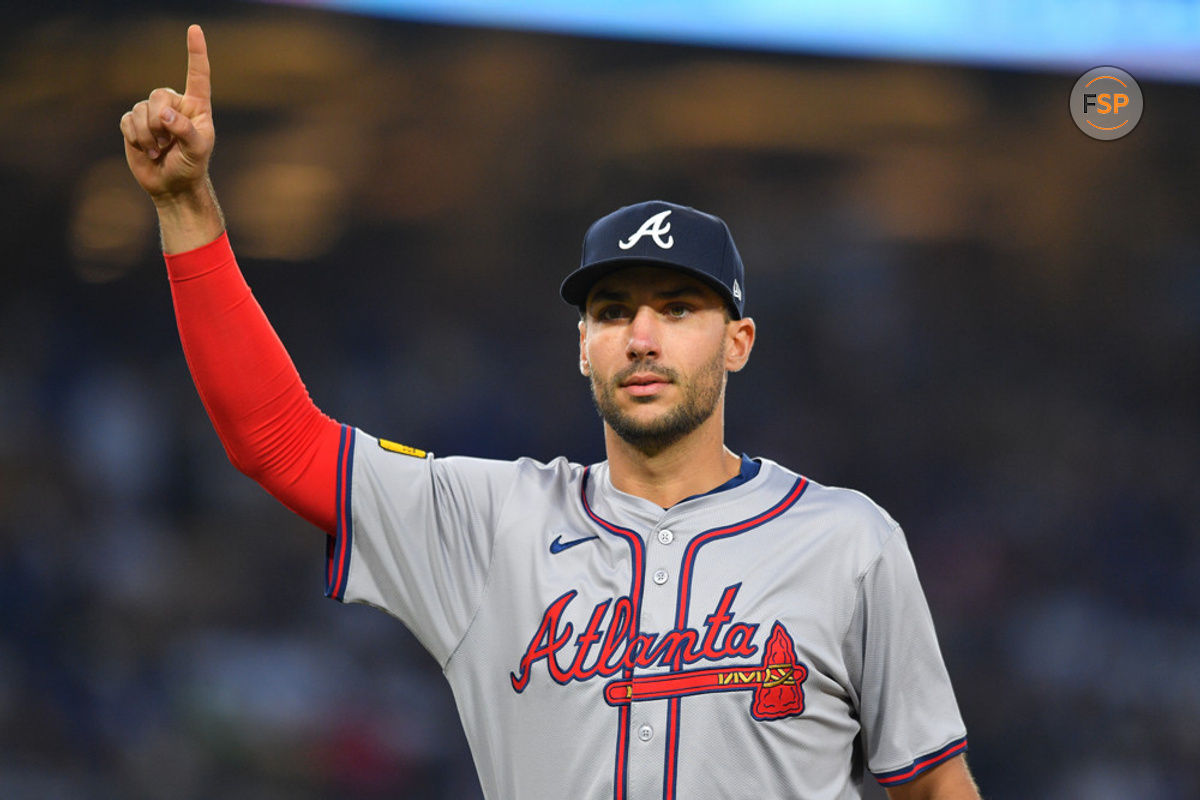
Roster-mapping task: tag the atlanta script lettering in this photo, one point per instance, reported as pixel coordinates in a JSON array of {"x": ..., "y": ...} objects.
[{"x": 611, "y": 643}]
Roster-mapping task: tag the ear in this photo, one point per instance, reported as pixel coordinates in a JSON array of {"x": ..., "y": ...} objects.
[
  {"x": 739, "y": 341},
  {"x": 585, "y": 369}
]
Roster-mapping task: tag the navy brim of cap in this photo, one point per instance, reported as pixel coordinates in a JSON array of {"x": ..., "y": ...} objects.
[{"x": 579, "y": 283}]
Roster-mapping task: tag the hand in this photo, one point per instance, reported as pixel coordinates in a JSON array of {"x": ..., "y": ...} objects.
[{"x": 169, "y": 136}]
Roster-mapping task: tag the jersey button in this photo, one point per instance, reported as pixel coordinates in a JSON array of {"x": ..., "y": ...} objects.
[
  {"x": 645, "y": 733},
  {"x": 665, "y": 536},
  {"x": 660, "y": 576}
]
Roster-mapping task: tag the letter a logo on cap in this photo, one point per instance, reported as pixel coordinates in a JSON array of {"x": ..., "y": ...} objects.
[{"x": 655, "y": 227}]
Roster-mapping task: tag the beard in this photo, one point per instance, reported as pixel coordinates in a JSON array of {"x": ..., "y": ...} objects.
[{"x": 701, "y": 394}]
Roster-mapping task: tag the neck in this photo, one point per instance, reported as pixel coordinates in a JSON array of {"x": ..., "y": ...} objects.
[{"x": 695, "y": 464}]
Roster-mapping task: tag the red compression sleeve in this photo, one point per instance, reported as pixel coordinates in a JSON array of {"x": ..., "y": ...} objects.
[{"x": 270, "y": 427}]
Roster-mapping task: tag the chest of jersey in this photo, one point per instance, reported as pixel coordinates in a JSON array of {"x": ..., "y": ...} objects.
[{"x": 703, "y": 633}]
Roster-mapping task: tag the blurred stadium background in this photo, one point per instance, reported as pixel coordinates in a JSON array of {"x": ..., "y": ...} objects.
[{"x": 967, "y": 309}]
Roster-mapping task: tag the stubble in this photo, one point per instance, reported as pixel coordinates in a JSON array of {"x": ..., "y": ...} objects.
[{"x": 700, "y": 395}]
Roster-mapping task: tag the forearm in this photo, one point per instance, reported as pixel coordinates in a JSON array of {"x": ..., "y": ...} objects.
[{"x": 270, "y": 428}]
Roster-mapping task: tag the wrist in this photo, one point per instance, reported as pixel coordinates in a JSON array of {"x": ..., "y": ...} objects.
[{"x": 188, "y": 220}]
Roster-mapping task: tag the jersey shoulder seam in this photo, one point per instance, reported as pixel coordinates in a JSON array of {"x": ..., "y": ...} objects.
[
  {"x": 893, "y": 529},
  {"x": 521, "y": 465}
]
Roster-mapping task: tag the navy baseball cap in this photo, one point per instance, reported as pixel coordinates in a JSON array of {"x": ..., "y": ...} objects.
[{"x": 660, "y": 234}]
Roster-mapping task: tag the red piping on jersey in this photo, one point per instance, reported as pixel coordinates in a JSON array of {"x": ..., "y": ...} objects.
[
  {"x": 689, "y": 556},
  {"x": 923, "y": 764},
  {"x": 681, "y": 613},
  {"x": 338, "y": 546},
  {"x": 638, "y": 551}
]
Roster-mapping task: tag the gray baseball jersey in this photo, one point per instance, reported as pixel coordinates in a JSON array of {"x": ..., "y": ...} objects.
[{"x": 769, "y": 639}]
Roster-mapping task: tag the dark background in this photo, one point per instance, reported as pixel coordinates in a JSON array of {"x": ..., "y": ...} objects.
[{"x": 967, "y": 309}]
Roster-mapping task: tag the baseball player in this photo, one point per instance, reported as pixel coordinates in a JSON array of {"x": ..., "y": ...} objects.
[{"x": 677, "y": 621}]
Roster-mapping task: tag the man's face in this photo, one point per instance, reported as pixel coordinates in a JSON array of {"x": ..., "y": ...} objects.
[{"x": 656, "y": 344}]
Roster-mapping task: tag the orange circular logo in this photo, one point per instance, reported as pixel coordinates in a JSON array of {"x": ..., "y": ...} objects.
[{"x": 1106, "y": 103}]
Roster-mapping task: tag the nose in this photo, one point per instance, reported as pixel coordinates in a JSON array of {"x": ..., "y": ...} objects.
[{"x": 643, "y": 335}]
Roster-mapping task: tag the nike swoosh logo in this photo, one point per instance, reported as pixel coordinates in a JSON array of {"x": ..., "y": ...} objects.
[{"x": 558, "y": 545}]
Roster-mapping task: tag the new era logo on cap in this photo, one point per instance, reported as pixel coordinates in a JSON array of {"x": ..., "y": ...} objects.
[{"x": 663, "y": 234}]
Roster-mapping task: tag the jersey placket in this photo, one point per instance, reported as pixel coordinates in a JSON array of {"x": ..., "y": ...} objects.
[
  {"x": 648, "y": 729},
  {"x": 686, "y": 594},
  {"x": 649, "y": 718},
  {"x": 626, "y": 734}
]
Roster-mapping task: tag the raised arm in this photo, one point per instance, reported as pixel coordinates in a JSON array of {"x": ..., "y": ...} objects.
[{"x": 270, "y": 428}]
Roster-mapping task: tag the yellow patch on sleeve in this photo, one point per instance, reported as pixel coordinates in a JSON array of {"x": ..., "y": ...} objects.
[{"x": 403, "y": 449}]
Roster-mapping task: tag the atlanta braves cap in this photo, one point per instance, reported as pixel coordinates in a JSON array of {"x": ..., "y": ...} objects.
[{"x": 658, "y": 233}]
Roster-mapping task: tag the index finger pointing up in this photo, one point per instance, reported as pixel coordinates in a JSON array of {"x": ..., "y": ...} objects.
[{"x": 198, "y": 84}]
